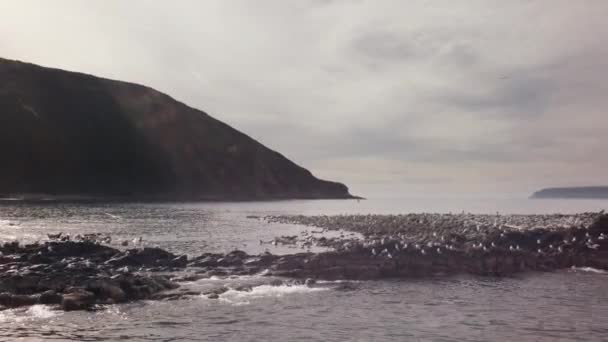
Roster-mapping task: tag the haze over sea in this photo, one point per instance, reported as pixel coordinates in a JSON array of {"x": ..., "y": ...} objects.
[{"x": 555, "y": 306}]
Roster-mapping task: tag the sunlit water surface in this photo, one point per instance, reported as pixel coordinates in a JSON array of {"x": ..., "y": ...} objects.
[{"x": 566, "y": 305}]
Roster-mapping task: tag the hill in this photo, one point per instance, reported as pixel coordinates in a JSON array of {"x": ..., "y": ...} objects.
[
  {"x": 71, "y": 134},
  {"x": 591, "y": 192}
]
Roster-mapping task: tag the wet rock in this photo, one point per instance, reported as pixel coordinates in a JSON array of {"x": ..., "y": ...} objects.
[
  {"x": 180, "y": 261},
  {"x": 50, "y": 297},
  {"x": 10, "y": 300},
  {"x": 107, "y": 289},
  {"x": 77, "y": 299},
  {"x": 215, "y": 293}
]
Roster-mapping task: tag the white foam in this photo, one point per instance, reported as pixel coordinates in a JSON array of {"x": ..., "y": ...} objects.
[
  {"x": 589, "y": 269},
  {"x": 41, "y": 311},
  {"x": 340, "y": 281},
  {"x": 33, "y": 313},
  {"x": 265, "y": 291}
]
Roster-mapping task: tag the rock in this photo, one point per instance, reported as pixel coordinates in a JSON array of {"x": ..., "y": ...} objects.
[
  {"x": 50, "y": 297},
  {"x": 107, "y": 289},
  {"x": 77, "y": 299},
  {"x": 180, "y": 261},
  {"x": 215, "y": 293},
  {"x": 13, "y": 300}
]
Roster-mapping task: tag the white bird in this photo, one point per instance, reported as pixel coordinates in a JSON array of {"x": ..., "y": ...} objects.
[
  {"x": 493, "y": 244},
  {"x": 551, "y": 246},
  {"x": 517, "y": 247},
  {"x": 373, "y": 251},
  {"x": 439, "y": 251},
  {"x": 423, "y": 252},
  {"x": 560, "y": 249},
  {"x": 574, "y": 239},
  {"x": 389, "y": 256},
  {"x": 538, "y": 241},
  {"x": 511, "y": 248}
]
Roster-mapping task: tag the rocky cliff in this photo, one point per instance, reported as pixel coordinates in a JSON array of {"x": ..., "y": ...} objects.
[{"x": 71, "y": 134}]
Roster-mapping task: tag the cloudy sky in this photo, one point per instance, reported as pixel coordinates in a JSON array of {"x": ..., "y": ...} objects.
[{"x": 458, "y": 97}]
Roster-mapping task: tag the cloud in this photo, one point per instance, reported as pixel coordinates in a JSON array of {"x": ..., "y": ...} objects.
[{"x": 443, "y": 95}]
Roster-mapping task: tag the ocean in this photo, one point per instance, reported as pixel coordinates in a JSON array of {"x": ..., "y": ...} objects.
[{"x": 568, "y": 305}]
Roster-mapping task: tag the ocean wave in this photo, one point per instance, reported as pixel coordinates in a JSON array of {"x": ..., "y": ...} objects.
[
  {"x": 589, "y": 269},
  {"x": 41, "y": 311},
  {"x": 236, "y": 297},
  {"x": 34, "y": 312}
]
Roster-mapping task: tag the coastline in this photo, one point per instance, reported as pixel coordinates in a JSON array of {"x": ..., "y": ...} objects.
[
  {"x": 44, "y": 198},
  {"x": 83, "y": 272}
]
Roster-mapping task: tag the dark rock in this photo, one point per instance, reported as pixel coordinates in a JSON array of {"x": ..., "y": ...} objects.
[
  {"x": 107, "y": 289},
  {"x": 14, "y": 300},
  {"x": 180, "y": 261},
  {"x": 77, "y": 299},
  {"x": 50, "y": 297}
]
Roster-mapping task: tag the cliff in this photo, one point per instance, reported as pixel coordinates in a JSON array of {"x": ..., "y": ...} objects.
[{"x": 71, "y": 134}]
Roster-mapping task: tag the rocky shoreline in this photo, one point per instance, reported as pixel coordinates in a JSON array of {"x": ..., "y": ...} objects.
[{"x": 83, "y": 274}]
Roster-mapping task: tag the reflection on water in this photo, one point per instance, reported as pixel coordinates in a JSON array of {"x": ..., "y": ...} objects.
[{"x": 566, "y": 305}]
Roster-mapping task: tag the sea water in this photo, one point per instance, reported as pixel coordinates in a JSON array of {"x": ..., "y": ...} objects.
[{"x": 566, "y": 305}]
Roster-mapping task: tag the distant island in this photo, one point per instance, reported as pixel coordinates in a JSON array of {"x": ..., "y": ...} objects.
[
  {"x": 590, "y": 192},
  {"x": 71, "y": 135}
]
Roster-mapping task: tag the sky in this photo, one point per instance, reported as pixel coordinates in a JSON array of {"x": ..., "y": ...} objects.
[{"x": 398, "y": 97}]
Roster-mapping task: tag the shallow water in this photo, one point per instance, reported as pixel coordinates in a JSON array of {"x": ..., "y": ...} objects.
[{"x": 566, "y": 305}]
